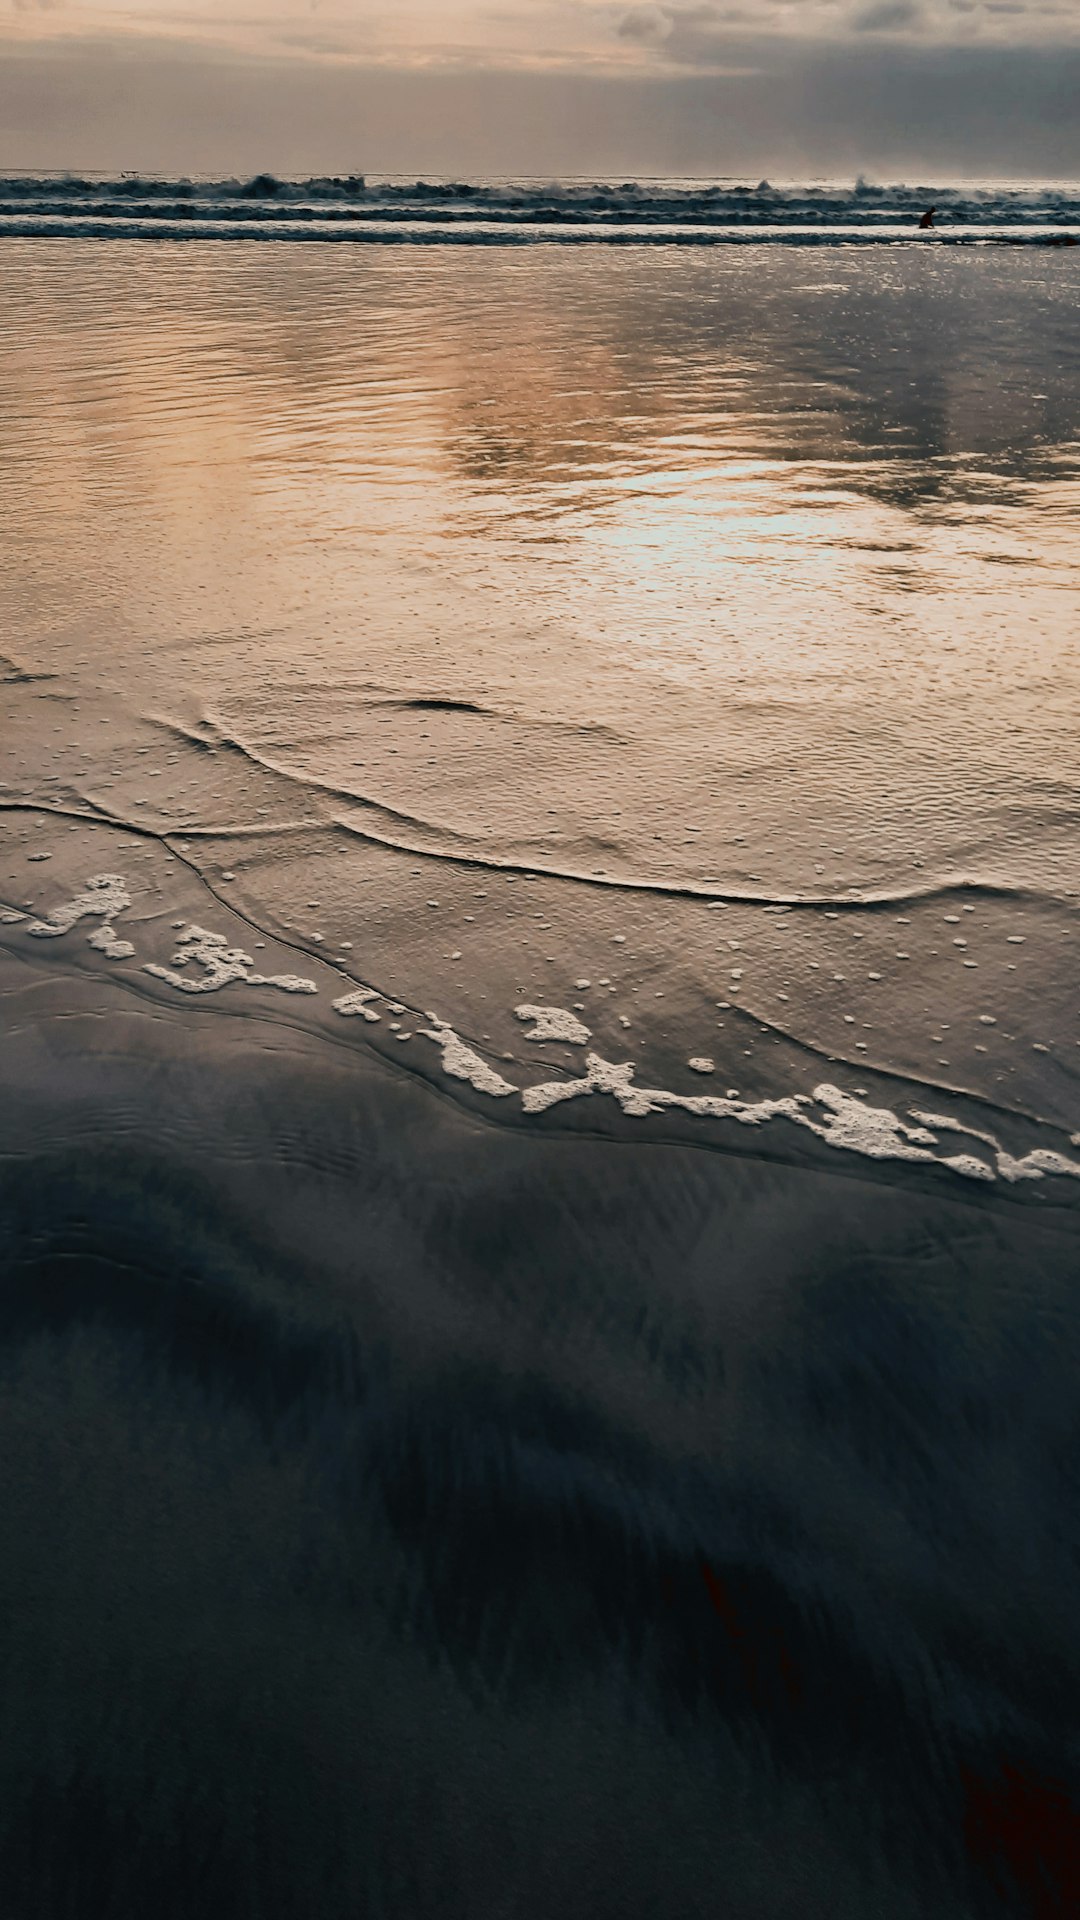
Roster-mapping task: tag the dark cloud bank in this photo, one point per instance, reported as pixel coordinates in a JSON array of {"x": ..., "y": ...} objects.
[{"x": 872, "y": 104}]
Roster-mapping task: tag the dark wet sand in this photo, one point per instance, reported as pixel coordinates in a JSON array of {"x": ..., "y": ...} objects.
[{"x": 408, "y": 1514}]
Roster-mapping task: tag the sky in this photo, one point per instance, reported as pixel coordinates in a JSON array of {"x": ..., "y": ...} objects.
[{"x": 783, "y": 88}]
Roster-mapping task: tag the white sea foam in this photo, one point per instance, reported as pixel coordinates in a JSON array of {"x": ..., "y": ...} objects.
[
  {"x": 105, "y": 895},
  {"x": 875, "y": 1132},
  {"x": 1032, "y": 1166},
  {"x": 969, "y": 1166},
  {"x": 553, "y": 1023},
  {"x": 222, "y": 966},
  {"x": 600, "y": 1077},
  {"x": 462, "y": 1063},
  {"x": 359, "y": 1002},
  {"x": 880, "y": 1134},
  {"x": 839, "y": 1119},
  {"x": 835, "y": 1117},
  {"x": 106, "y": 940},
  {"x": 617, "y": 1080},
  {"x": 944, "y": 1123}
]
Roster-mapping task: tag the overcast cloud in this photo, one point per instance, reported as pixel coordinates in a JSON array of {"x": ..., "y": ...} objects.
[{"x": 775, "y": 86}]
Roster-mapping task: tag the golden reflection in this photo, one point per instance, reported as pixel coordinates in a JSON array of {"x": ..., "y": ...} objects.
[{"x": 555, "y": 469}]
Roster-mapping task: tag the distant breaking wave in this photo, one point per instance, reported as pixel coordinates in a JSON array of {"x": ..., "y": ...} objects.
[{"x": 501, "y": 212}]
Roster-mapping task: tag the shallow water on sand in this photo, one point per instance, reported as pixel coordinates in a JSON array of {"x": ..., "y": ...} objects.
[
  {"x": 538, "y": 902},
  {"x": 521, "y": 622}
]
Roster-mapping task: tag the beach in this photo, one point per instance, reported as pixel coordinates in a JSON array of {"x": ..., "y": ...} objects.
[{"x": 539, "y": 1111}]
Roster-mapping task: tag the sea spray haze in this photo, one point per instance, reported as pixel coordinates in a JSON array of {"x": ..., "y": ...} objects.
[{"x": 538, "y": 1103}]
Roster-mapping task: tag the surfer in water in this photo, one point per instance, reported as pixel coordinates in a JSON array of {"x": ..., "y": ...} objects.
[{"x": 927, "y": 220}]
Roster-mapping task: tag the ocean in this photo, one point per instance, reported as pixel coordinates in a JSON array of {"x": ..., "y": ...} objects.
[
  {"x": 540, "y": 1326},
  {"x": 395, "y": 210}
]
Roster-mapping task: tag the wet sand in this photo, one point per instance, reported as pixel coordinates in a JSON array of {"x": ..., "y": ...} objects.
[
  {"x": 409, "y": 1515},
  {"x": 539, "y": 1200}
]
